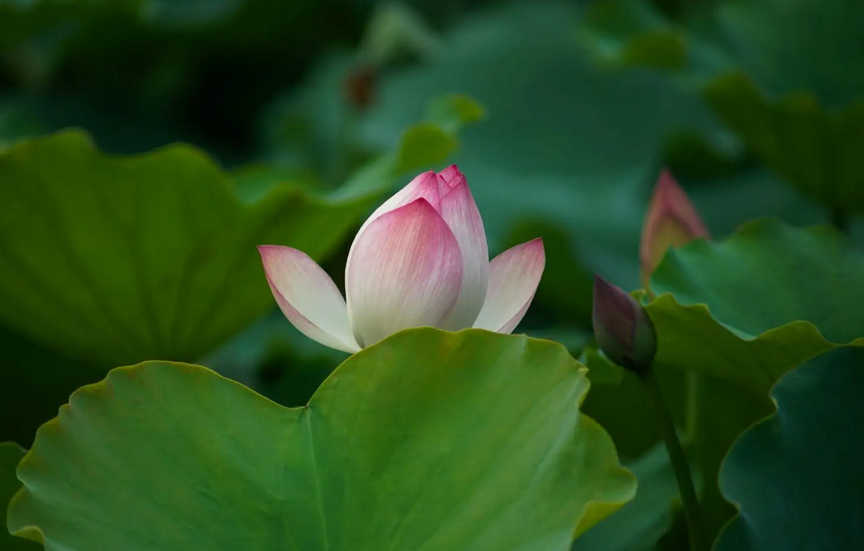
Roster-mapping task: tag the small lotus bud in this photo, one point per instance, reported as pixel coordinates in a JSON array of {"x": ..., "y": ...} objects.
[
  {"x": 623, "y": 330},
  {"x": 671, "y": 221}
]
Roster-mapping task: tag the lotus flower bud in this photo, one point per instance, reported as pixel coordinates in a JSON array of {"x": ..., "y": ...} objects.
[
  {"x": 671, "y": 221},
  {"x": 622, "y": 328},
  {"x": 420, "y": 259}
]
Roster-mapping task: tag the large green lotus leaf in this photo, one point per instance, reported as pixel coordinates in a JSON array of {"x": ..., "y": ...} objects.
[
  {"x": 796, "y": 475},
  {"x": 152, "y": 256},
  {"x": 739, "y": 314},
  {"x": 119, "y": 259},
  {"x": 10, "y": 454},
  {"x": 428, "y": 440}
]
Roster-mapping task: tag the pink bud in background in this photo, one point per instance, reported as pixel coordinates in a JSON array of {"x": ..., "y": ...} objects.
[
  {"x": 420, "y": 259},
  {"x": 671, "y": 221}
]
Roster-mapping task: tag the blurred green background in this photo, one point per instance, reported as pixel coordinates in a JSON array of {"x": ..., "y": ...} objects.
[{"x": 561, "y": 115}]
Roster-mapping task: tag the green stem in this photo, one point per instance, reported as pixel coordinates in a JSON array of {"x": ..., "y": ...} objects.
[{"x": 678, "y": 460}]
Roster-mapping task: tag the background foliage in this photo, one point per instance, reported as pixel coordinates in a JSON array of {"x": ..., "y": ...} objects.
[{"x": 119, "y": 245}]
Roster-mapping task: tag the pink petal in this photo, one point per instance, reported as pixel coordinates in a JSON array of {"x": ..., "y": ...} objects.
[
  {"x": 404, "y": 270},
  {"x": 424, "y": 185},
  {"x": 460, "y": 212},
  {"x": 308, "y": 297},
  {"x": 513, "y": 279}
]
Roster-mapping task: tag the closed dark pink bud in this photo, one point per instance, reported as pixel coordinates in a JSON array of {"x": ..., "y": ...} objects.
[{"x": 623, "y": 330}]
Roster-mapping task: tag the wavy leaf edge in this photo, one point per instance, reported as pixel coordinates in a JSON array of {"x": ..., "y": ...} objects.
[{"x": 592, "y": 512}]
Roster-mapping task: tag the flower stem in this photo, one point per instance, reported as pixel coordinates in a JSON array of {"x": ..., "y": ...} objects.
[{"x": 678, "y": 460}]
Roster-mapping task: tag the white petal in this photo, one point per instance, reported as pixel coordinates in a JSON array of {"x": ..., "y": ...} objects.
[
  {"x": 308, "y": 297},
  {"x": 513, "y": 279},
  {"x": 460, "y": 212},
  {"x": 404, "y": 270}
]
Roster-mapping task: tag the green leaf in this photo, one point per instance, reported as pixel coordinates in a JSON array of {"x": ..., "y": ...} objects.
[
  {"x": 119, "y": 259},
  {"x": 826, "y": 59},
  {"x": 152, "y": 256},
  {"x": 453, "y": 111},
  {"x": 738, "y": 314},
  {"x": 796, "y": 475},
  {"x": 797, "y": 103},
  {"x": 417, "y": 143},
  {"x": 785, "y": 46},
  {"x": 813, "y": 148},
  {"x": 640, "y": 523},
  {"x": 428, "y": 440},
  {"x": 771, "y": 297},
  {"x": 10, "y": 454},
  {"x": 632, "y": 32}
]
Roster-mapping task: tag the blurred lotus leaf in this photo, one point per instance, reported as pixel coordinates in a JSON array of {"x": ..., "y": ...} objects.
[
  {"x": 808, "y": 498},
  {"x": 151, "y": 256}
]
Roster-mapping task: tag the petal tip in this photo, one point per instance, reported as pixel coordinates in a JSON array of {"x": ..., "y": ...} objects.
[
  {"x": 600, "y": 282},
  {"x": 266, "y": 249},
  {"x": 670, "y": 200},
  {"x": 266, "y": 252},
  {"x": 536, "y": 242},
  {"x": 670, "y": 221},
  {"x": 270, "y": 251},
  {"x": 451, "y": 178},
  {"x": 536, "y": 247},
  {"x": 514, "y": 277}
]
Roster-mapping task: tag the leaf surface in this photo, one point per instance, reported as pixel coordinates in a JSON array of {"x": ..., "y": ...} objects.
[{"x": 429, "y": 440}]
